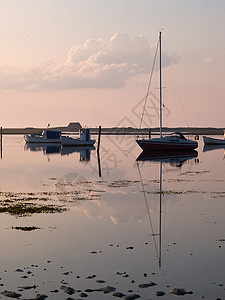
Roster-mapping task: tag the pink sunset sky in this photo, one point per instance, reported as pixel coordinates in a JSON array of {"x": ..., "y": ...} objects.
[{"x": 89, "y": 61}]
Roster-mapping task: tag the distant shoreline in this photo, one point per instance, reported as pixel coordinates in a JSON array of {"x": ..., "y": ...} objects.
[{"x": 120, "y": 130}]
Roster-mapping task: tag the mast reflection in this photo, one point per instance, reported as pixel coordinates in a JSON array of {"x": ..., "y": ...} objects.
[{"x": 175, "y": 159}]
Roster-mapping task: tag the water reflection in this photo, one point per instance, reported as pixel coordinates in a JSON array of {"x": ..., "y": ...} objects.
[
  {"x": 212, "y": 147},
  {"x": 48, "y": 149},
  {"x": 175, "y": 159},
  {"x": 186, "y": 208}
]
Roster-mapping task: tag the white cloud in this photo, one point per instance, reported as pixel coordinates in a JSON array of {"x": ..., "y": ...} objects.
[
  {"x": 208, "y": 59},
  {"x": 95, "y": 64}
]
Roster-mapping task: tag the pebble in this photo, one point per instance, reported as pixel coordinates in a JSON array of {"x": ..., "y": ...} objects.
[
  {"x": 120, "y": 273},
  {"x": 55, "y": 291},
  {"x": 90, "y": 276},
  {"x": 65, "y": 273},
  {"x": 18, "y": 270}
]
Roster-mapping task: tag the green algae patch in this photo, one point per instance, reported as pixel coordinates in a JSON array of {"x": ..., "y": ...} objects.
[
  {"x": 28, "y": 209},
  {"x": 171, "y": 192},
  {"x": 122, "y": 183},
  {"x": 26, "y": 228}
]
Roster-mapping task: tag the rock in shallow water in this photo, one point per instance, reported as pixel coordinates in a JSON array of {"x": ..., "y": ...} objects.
[
  {"x": 83, "y": 295},
  {"x": 11, "y": 294},
  {"x": 40, "y": 297},
  {"x": 132, "y": 296},
  {"x": 118, "y": 294},
  {"x": 67, "y": 289},
  {"x": 27, "y": 287},
  {"x": 180, "y": 292},
  {"x": 106, "y": 290},
  {"x": 159, "y": 293},
  {"x": 146, "y": 285}
]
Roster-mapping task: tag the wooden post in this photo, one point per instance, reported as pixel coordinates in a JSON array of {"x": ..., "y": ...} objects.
[
  {"x": 99, "y": 141},
  {"x": 1, "y": 141},
  {"x": 99, "y": 137}
]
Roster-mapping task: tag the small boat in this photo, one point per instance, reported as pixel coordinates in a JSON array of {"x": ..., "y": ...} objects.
[
  {"x": 47, "y": 136},
  {"x": 212, "y": 141},
  {"x": 175, "y": 141},
  {"x": 83, "y": 140}
]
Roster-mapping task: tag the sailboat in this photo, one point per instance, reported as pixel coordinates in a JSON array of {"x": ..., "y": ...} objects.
[{"x": 174, "y": 141}]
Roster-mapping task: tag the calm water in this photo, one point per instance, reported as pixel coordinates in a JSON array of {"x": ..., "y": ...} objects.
[{"x": 154, "y": 220}]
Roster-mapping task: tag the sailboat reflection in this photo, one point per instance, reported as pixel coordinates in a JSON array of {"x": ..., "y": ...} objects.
[
  {"x": 48, "y": 149},
  {"x": 175, "y": 159}
]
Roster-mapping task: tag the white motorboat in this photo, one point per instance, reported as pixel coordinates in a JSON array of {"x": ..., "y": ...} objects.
[
  {"x": 83, "y": 140},
  {"x": 47, "y": 136},
  {"x": 164, "y": 143},
  {"x": 212, "y": 141}
]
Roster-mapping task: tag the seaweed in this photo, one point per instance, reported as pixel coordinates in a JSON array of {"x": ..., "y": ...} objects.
[
  {"x": 27, "y": 209},
  {"x": 25, "y": 228}
]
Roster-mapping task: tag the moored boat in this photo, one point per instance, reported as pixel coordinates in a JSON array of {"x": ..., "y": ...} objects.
[
  {"x": 213, "y": 141},
  {"x": 164, "y": 143},
  {"x": 47, "y": 136},
  {"x": 83, "y": 140},
  {"x": 175, "y": 141}
]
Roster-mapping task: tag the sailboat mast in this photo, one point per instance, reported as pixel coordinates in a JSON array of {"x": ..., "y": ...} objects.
[{"x": 160, "y": 84}]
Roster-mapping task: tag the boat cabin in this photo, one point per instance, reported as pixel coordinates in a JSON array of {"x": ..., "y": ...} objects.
[
  {"x": 85, "y": 134},
  {"x": 50, "y": 134}
]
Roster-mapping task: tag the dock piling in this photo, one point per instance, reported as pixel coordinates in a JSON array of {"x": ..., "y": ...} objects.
[
  {"x": 98, "y": 155},
  {"x": 1, "y": 141},
  {"x": 99, "y": 137}
]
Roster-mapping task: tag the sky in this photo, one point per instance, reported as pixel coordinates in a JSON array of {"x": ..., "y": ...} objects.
[{"x": 89, "y": 61}]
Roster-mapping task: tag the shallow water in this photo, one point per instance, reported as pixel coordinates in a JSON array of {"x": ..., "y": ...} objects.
[{"x": 113, "y": 226}]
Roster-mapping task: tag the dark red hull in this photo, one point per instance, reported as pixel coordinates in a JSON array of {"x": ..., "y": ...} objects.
[{"x": 149, "y": 145}]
